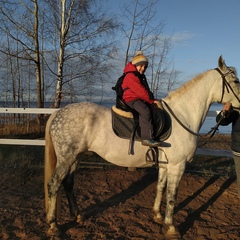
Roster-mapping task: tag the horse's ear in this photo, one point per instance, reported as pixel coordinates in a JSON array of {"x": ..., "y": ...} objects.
[{"x": 221, "y": 64}]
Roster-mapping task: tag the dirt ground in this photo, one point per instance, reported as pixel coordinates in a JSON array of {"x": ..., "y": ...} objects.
[{"x": 117, "y": 203}]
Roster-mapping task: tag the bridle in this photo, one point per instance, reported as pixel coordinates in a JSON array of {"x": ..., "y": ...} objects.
[{"x": 226, "y": 85}]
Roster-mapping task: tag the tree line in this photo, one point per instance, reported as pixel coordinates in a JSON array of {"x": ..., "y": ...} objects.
[{"x": 66, "y": 50}]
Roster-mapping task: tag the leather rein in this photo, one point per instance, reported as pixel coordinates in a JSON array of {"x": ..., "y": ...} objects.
[{"x": 226, "y": 85}]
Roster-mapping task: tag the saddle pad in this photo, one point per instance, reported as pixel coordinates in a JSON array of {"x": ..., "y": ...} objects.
[
  {"x": 123, "y": 123},
  {"x": 122, "y": 112},
  {"x": 123, "y": 126}
]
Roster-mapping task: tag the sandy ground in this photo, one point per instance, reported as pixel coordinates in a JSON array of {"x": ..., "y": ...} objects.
[{"x": 117, "y": 204}]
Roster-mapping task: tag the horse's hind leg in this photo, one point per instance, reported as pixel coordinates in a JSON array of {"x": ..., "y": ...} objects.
[
  {"x": 54, "y": 184},
  {"x": 162, "y": 177},
  {"x": 68, "y": 184}
]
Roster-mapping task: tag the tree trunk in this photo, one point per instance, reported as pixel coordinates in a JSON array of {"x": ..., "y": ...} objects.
[
  {"x": 37, "y": 59},
  {"x": 63, "y": 32}
]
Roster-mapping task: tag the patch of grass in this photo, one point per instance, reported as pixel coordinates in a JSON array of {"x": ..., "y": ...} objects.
[
  {"x": 211, "y": 165},
  {"x": 12, "y": 156},
  {"x": 17, "y": 156}
]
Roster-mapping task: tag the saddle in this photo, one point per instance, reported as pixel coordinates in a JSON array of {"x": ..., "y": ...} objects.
[{"x": 125, "y": 123}]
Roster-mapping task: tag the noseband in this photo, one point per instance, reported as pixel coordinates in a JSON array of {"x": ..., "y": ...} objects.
[{"x": 226, "y": 83}]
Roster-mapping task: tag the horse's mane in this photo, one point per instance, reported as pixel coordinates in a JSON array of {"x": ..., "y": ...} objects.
[{"x": 186, "y": 85}]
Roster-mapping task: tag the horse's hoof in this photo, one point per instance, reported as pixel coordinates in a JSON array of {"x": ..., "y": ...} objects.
[
  {"x": 172, "y": 233},
  {"x": 54, "y": 230},
  {"x": 158, "y": 218}
]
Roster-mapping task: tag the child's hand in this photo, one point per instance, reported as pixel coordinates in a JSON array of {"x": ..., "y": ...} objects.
[{"x": 157, "y": 102}]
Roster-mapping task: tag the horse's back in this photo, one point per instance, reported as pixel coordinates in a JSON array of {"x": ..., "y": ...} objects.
[{"x": 78, "y": 112}]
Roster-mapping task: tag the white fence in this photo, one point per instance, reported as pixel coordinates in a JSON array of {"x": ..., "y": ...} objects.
[
  {"x": 36, "y": 142},
  {"x": 41, "y": 142}
]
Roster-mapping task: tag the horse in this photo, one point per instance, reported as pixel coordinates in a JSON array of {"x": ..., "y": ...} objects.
[{"x": 85, "y": 126}]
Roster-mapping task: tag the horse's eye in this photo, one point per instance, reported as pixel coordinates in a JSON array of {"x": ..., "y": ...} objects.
[{"x": 236, "y": 81}]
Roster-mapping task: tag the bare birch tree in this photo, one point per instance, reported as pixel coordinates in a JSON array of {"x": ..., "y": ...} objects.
[
  {"x": 20, "y": 22},
  {"x": 84, "y": 46}
]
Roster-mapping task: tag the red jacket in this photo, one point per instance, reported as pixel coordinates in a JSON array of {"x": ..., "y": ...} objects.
[{"x": 134, "y": 88}]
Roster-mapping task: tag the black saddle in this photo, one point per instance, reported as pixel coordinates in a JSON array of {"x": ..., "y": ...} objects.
[{"x": 125, "y": 122}]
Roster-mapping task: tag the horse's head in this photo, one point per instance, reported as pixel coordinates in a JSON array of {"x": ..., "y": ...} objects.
[{"x": 230, "y": 84}]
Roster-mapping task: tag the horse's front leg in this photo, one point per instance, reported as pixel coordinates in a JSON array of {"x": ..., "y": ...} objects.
[
  {"x": 162, "y": 177},
  {"x": 54, "y": 184},
  {"x": 174, "y": 176}
]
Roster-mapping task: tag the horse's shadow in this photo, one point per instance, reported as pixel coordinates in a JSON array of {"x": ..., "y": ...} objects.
[
  {"x": 123, "y": 196},
  {"x": 135, "y": 188},
  {"x": 138, "y": 186},
  {"x": 196, "y": 214}
]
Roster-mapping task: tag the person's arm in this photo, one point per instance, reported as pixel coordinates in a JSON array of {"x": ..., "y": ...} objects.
[{"x": 227, "y": 115}]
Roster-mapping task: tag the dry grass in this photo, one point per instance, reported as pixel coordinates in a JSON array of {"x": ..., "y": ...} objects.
[
  {"x": 211, "y": 166},
  {"x": 25, "y": 126},
  {"x": 22, "y": 126}
]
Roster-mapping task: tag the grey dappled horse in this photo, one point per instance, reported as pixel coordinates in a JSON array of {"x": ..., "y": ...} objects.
[{"x": 83, "y": 127}]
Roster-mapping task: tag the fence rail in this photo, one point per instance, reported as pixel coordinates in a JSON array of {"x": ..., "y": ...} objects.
[
  {"x": 35, "y": 142},
  {"x": 28, "y": 110},
  {"x": 41, "y": 142}
]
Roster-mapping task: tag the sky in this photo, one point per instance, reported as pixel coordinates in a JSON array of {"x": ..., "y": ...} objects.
[{"x": 201, "y": 30}]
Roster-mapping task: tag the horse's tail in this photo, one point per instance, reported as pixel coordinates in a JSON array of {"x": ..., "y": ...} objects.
[{"x": 50, "y": 159}]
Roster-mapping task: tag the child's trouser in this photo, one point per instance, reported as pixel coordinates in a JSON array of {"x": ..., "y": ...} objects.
[{"x": 145, "y": 118}]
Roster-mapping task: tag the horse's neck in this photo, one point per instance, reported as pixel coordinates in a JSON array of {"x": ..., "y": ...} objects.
[{"x": 192, "y": 100}]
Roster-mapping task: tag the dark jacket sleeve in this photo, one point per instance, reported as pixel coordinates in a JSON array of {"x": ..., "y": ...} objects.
[
  {"x": 232, "y": 117},
  {"x": 228, "y": 118}
]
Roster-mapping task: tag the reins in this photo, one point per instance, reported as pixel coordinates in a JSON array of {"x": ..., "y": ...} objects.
[
  {"x": 178, "y": 120},
  {"x": 215, "y": 128}
]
